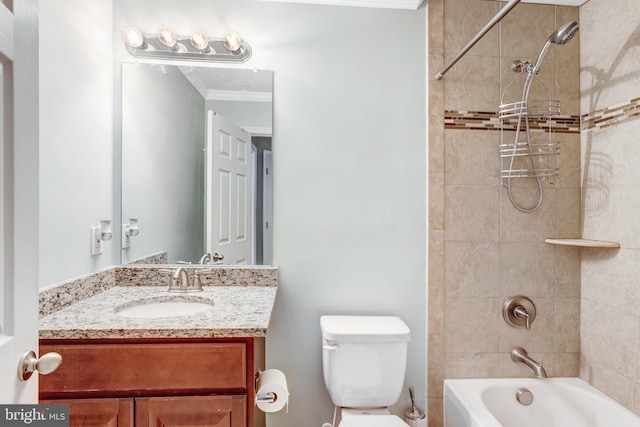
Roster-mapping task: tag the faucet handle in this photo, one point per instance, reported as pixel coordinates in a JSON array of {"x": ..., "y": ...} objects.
[
  {"x": 519, "y": 312},
  {"x": 197, "y": 282}
]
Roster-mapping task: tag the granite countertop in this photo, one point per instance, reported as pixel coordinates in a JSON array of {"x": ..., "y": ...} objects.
[{"x": 238, "y": 311}]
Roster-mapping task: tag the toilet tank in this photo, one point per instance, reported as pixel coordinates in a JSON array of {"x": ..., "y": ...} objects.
[{"x": 364, "y": 359}]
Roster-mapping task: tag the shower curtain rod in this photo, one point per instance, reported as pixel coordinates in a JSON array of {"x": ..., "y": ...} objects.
[{"x": 506, "y": 9}]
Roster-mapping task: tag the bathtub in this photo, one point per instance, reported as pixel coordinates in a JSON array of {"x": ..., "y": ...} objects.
[{"x": 557, "y": 402}]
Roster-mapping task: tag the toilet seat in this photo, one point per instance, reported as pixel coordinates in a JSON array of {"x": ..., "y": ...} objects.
[{"x": 372, "y": 421}]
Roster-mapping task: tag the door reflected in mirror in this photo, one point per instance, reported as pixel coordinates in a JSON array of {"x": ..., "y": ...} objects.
[{"x": 196, "y": 163}]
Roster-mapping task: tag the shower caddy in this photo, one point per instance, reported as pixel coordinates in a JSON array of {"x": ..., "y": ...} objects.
[{"x": 519, "y": 156}]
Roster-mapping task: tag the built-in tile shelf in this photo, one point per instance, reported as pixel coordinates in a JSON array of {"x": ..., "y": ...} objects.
[{"x": 583, "y": 243}]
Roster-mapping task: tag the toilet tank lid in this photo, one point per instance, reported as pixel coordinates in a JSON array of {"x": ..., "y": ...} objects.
[{"x": 364, "y": 329}]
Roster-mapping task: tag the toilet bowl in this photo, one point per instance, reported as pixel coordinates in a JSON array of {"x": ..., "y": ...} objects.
[{"x": 364, "y": 361}]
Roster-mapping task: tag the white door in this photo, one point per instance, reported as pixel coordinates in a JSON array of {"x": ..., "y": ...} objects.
[
  {"x": 18, "y": 197},
  {"x": 228, "y": 189}
]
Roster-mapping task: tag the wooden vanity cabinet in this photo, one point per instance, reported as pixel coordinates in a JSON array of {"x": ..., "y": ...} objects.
[{"x": 167, "y": 382}]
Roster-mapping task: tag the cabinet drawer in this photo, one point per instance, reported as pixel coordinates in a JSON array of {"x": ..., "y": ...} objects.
[
  {"x": 137, "y": 369},
  {"x": 201, "y": 411},
  {"x": 98, "y": 412}
]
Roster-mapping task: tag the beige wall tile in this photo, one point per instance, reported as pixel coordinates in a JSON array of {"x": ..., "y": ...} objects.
[
  {"x": 463, "y": 20},
  {"x": 533, "y": 226},
  {"x": 471, "y": 325},
  {"x": 525, "y": 30},
  {"x": 473, "y": 84},
  {"x": 610, "y": 382},
  {"x": 568, "y": 161},
  {"x": 471, "y": 365},
  {"x": 436, "y": 201},
  {"x": 527, "y": 268},
  {"x": 435, "y": 412},
  {"x": 568, "y": 277},
  {"x": 610, "y": 278},
  {"x": 568, "y": 213},
  {"x": 471, "y": 269},
  {"x": 566, "y": 324},
  {"x": 617, "y": 20},
  {"x": 609, "y": 338},
  {"x": 471, "y": 213},
  {"x": 436, "y": 143},
  {"x": 565, "y": 365},
  {"x": 471, "y": 157}
]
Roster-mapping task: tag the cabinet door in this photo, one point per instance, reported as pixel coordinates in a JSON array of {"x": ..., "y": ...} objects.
[
  {"x": 201, "y": 411},
  {"x": 98, "y": 412}
]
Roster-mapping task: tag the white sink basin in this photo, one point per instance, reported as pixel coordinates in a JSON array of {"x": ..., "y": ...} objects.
[{"x": 164, "y": 306}]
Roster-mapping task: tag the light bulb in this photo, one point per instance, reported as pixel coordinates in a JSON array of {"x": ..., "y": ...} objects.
[
  {"x": 199, "y": 40},
  {"x": 132, "y": 37},
  {"x": 232, "y": 41},
  {"x": 168, "y": 36}
]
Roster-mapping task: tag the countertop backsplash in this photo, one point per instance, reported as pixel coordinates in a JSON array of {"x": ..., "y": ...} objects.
[{"x": 63, "y": 294}]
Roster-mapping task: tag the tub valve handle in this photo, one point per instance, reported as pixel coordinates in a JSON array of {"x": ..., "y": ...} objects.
[{"x": 521, "y": 313}]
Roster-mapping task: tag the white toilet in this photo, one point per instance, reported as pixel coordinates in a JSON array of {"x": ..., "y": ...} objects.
[{"x": 364, "y": 360}]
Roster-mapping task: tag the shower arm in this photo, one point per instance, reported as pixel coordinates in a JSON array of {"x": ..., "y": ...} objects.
[{"x": 506, "y": 9}]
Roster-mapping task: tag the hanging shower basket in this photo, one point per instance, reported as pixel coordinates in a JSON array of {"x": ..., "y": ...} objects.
[{"x": 526, "y": 148}]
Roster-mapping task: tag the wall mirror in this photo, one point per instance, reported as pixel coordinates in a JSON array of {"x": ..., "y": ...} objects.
[{"x": 196, "y": 164}]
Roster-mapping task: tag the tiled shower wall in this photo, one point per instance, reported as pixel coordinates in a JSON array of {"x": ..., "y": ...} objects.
[
  {"x": 610, "y": 86},
  {"x": 482, "y": 250}
]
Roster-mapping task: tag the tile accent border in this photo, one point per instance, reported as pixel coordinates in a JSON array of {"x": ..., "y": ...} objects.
[
  {"x": 598, "y": 119},
  {"x": 488, "y": 120},
  {"x": 612, "y": 115}
]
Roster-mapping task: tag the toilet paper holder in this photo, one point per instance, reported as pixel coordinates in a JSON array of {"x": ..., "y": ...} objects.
[{"x": 266, "y": 397}]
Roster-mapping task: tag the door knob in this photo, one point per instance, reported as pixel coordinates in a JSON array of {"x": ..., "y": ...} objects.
[{"x": 29, "y": 363}]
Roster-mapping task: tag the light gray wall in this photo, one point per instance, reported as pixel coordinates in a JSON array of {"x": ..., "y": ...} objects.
[
  {"x": 163, "y": 133},
  {"x": 349, "y": 170},
  {"x": 76, "y": 135}
]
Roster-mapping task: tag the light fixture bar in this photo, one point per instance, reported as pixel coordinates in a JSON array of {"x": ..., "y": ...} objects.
[{"x": 183, "y": 49}]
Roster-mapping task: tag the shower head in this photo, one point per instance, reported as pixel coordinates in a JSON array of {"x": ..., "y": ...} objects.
[
  {"x": 564, "y": 33},
  {"x": 560, "y": 36}
]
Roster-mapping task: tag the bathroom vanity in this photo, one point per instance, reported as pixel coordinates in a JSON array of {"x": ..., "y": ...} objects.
[
  {"x": 203, "y": 382},
  {"x": 163, "y": 369}
]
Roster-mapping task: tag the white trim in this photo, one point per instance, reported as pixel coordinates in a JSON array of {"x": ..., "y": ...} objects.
[
  {"x": 233, "y": 95},
  {"x": 388, "y": 4},
  {"x": 258, "y": 131}
]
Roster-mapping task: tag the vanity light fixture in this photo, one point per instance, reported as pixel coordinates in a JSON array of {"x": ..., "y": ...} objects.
[
  {"x": 200, "y": 40},
  {"x": 232, "y": 41},
  {"x": 168, "y": 37},
  {"x": 168, "y": 44},
  {"x": 133, "y": 38}
]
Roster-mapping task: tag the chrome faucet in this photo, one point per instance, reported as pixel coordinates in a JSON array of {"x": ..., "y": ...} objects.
[
  {"x": 179, "y": 280},
  {"x": 519, "y": 355},
  {"x": 206, "y": 258}
]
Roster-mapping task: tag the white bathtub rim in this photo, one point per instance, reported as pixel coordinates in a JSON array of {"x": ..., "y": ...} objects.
[{"x": 481, "y": 416}]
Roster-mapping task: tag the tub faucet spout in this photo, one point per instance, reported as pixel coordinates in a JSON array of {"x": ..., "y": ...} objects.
[{"x": 519, "y": 355}]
